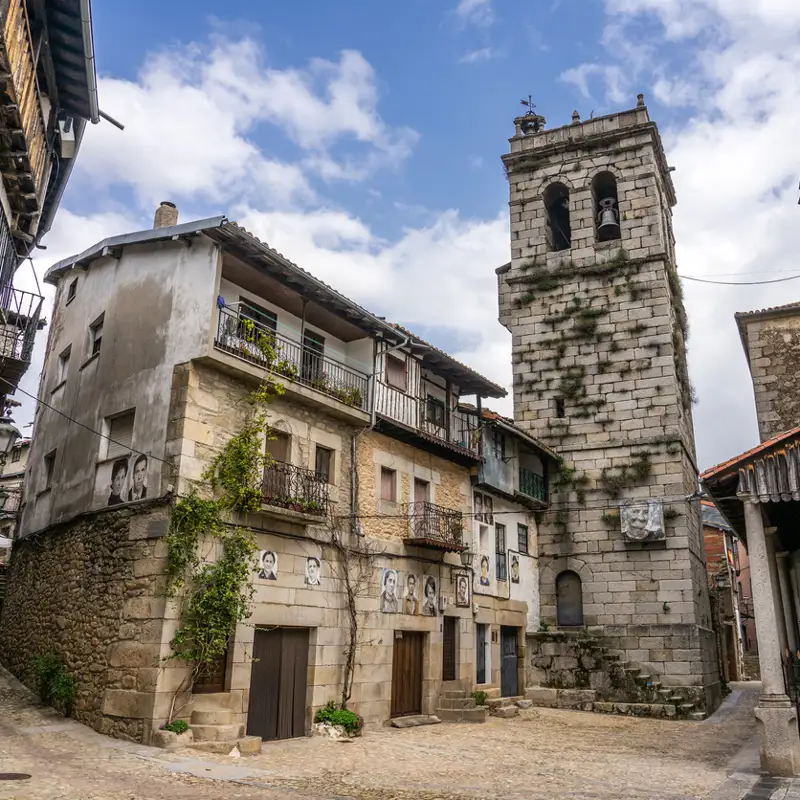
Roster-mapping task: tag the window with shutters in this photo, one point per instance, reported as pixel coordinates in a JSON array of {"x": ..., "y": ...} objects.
[
  {"x": 63, "y": 366},
  {"x": 500, "y": 551},
  {"x": 72, "y": 290},
  {"x": 396, "y": 373},
  {"x": 49, "y": 467},
  {"x": 434, "y": 412},
  {"x": 120, "y": 434},
  {"x": 388, "y": 485},
  {"x": 324, "y": 463},
  {"x": 96, "y": 336},
  {"x": 522, "y": 536}
]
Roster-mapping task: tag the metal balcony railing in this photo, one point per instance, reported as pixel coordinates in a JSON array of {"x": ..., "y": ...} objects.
[
  {"x": 435, "y": 526},
  {"x": 532, "y": 484},
  {"x": 20, "y": 314},
  {"x": 242, "y": 336},
  {"x": 296, "y": 489}
]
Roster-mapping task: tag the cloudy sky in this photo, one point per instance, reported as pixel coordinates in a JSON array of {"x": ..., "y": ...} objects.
[{"x": 363, "y": 140}]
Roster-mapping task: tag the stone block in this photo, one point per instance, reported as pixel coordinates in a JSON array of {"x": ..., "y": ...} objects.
[
  {"x": 126, "y": 703},
  {"x": 505, "y": 712},
  {"x": 132, "y": 654},
  {"x": 542, "y": 696}
]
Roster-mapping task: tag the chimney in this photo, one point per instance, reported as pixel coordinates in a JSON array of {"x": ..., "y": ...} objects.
[{"x": 166, "y": 215}]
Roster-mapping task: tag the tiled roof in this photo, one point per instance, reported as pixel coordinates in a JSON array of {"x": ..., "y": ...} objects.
[
  {"x": 770, "y": 310},
  {"x": 753, "y": 451}
]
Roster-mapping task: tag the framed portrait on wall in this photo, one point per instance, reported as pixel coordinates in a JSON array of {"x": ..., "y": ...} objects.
[{"x": 462, "y": 589}]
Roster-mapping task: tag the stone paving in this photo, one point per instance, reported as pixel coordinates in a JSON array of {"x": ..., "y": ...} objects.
[{"x": 545, "y": 754}]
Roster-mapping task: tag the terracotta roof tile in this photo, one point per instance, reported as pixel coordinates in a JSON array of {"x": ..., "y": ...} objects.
[
  {"x": 725, "y": 465},
  {"x": 786, "y": 307}
]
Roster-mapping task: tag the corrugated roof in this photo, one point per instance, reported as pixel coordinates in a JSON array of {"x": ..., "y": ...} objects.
[
  {"x": 713, "y": 518},
  {"x": 728, "y": 465}
]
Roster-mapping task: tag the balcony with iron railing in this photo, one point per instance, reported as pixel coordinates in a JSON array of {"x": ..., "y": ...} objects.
[
  {"x": 20, "y": 319},
  {"x": 23, "y": 139},
  {"x": 435, "y": 526},
  {"x": 295, "y": 489},
  {"x": 532, "y": 484},
  {"x": 243, "y": 337}
]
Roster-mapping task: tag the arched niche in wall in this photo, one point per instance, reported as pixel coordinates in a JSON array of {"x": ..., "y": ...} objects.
[
  {"x": 569, "y": 600},
  {"x": 559, "y": 229},
  {"x": 606, "y": 207}
]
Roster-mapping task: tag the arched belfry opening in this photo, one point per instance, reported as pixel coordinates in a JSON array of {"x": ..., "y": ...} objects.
[
  {"x": 559, "y": 230},
  {"x": 569, "y": 600},
  {"x": 606, "y": 207}
]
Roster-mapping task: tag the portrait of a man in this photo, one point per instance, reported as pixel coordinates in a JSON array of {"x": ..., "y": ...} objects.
[
  {"x": 462, "y": 591},
  {"x": 269, "y": 565},
  {"x": 642, "y": 521},
  {"x": 429, "y": 606},
  {"x": 515, "y": 569},
  {"x": 313, "y": 570},
  {"x": 119, "y": 472},
  {"x": 139, "y": 491},
  {"x": 411, "y": 598},
  {"x": 389, "y": 601},
  {"x": 484, "y": 579}
]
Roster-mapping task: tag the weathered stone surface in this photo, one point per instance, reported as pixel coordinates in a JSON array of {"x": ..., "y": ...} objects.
[
  {"x": 249, "y": 745},
  {"x": 171, "y": 741},
  {"x": 329, "y": 731},
  {"x": 524, "y": 703},
  {"x": 506, "y": 712},
  {"x": 415, "y": 721},
  {"x": 541, "y": 696}
]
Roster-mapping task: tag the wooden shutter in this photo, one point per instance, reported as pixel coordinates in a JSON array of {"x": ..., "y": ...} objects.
[
  {"x": 120, "y": 433},
  {"x": 388, "y": 485},
  {"x": 278, "y": 447}
]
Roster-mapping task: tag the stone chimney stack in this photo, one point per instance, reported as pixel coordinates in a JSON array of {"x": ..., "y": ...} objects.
[{"x": 166, "y": 215}]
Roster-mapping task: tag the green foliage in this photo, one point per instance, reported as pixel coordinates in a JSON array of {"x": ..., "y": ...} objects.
[
  {"x": 611, "y": 519},
  {"x": 55, "y": 685},
  {"x": 480, "y": 697},
  {"x": 349, "y": 720},
  {"x": 543, "y": 626},
  {"x": 614, "y": 480},
  {"x": 192, "y": 518},
  {"x": 178, "y": 726}
]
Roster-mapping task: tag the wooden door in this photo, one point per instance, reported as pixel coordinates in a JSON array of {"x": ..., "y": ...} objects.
[
  {"x": 421, "y": 491},
  {"x": 480, "y": 652},
  {"x": 407, "y": 673},
  {"x": 449, "y": 649},
  {"x": 278, "y": 684},
  {"x": 211, "y": 676},
  {"x": 508, "y": 662}
]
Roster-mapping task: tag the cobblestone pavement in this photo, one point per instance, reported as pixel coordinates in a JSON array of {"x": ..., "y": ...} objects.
[{"x": 542, "y": 754}]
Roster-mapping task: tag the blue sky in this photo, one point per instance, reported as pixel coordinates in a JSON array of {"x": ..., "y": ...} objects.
[{"x": 363, "y": 140}]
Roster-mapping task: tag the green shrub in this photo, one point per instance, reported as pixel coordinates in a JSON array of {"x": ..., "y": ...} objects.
[
  {"x": 55, "y": 685},
  {"x": 479, "y": 697},
  {"x": 349, "y": 720},
  {"x": 178, "y": 726}
]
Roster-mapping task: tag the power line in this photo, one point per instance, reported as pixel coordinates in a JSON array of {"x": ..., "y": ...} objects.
[{"x": 738, "y": 283}]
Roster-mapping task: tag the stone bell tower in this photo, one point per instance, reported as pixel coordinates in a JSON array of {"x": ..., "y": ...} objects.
[{"x": 593, "y": 302}]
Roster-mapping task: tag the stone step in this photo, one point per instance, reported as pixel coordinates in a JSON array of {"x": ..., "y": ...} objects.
[
  {"x": 655, "y": 710},
  {"x": 221, "y": 716},
  {"x": 215, "y": 701},
  {"x": 697, "y": 715},
  {"x": 461, "y": 714},
  {"x": 219, "y": 748},
  {"x": 249, "y": 745},
  {"x": 457, "y": 702},
  {"x": 217, "y": 733},
  {"x": 453, "y": 694},
  {"x": 686, "y": 707},
  {"x": 502, "y": 702},
  {"x": 505, "y": 712},
  {"x": 491, "y": 691},
  {"x": 415, "y": 720}
]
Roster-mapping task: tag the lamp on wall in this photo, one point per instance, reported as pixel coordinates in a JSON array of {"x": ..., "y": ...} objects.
[
  {"x": 9, "y": 434},
  {"x": 466, "y": 563}
]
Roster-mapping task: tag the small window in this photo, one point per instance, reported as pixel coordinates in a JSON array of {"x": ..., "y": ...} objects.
[
  {"x": 96, "y": 336},
  {"x": 422, "y": 491},
  {"x": 278, "y": 446},
  {"x": 561, "y": 410},
  {"x": 500, "y": 551},
  {"x": 120, "y": 434},
  {"x": 434, "y": 412},
  {"x": 324, "y": 463},
  {"x": 558, "y": 228},
  {"x": 522, "y": 536},
  {"x": 261, "y": 316},
  {"x": 396, "y": 373},
  {"x": 16, "y": 454},
  {"x": 49, "y": 466},
  {"x": 388, "y": 485},
  {"x": 498, "y": 443},
  {"x": 63, "y": 366},
  {"x": 72, "y": 290}
]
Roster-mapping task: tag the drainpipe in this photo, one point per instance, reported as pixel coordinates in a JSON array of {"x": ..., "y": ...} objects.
[
  {"x": 89, "y": 64},
  {"x": 372, "y": 417}
]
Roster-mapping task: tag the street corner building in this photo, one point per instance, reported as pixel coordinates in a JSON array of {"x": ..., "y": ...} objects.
[
  {"x": 592, "y": 299},
  {"x": 151, "y": 356}
]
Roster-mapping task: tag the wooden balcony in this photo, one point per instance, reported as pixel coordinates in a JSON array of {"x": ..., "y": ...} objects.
[
  {"x": 435, "y": 526},
  {"x": 20, "y": 319},
  {"x": 24, "y": 163}
]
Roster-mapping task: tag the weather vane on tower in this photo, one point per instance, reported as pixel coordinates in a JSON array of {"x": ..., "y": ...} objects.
[{"x": 531, "y": 122}]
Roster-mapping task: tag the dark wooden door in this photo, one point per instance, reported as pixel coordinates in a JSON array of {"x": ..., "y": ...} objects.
[
  {"x": 211, "y": 676},
  {"x": 508, "y": 665},
  {"x": 407, "y": 673},
  {"x": 449, "y": 650},
  {"x": 278, "y": 684},
  {"x": 480, "y": 652}
]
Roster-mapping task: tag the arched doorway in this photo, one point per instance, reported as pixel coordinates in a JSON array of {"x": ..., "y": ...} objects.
[{"x": 569, "y": 600}]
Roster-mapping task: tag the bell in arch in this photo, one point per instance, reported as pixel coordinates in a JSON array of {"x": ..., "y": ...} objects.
[{"x": 608, "y": 219}]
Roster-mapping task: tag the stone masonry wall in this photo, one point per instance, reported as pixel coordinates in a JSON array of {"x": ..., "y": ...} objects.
[
  {"x": 601, "y": 327},
  {"x": 774, "y": 355},
  {"x": 89, "y": 591}
]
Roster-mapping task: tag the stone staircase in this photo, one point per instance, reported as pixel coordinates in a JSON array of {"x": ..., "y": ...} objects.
[
  {"x": 215, "y": 731},
  {"x": 455, "y": 705}
]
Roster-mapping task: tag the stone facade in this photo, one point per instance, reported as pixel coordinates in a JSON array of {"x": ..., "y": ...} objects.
[
  {"x": 771, "y": 340},
  {"x": 600, "y": 375},
  {"x": 91, "y": 591}
]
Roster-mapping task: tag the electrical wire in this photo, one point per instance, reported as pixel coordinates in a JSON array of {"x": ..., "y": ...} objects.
[{"x": 737, "y": 283}]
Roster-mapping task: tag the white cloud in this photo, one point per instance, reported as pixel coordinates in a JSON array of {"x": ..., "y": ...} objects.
[
  {"x": 613, "y": 78},
  {"x": 475, "y": 56},
  {"x": 476, "y": 12}
]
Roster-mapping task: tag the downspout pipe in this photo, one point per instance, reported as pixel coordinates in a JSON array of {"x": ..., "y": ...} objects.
[
  {"x": 88, "y": 55},
  {"x": 372, "y": 418}
]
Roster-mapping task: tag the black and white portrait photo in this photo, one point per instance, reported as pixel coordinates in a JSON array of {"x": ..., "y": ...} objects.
[
  {"x": 119, "y": 473},
  {"x": 514, "y": 568},
  {"x": 642, "y": 520},
  {"x": 268, "y": 559},
  {"x": 313, "y": 569},
  {"x": 429, "y": 603},
  {"x": 462, "y": 590},
  {"x": 389, "y": 601},
  {"x": 138, "y": 490},
  {"x": 484, "y": 580},
  {"x": 411, "y": 597}
]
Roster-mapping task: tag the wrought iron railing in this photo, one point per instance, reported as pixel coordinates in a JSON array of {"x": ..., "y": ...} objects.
[
  {"x": 435, "y": 525},
  {"x": 20, "y": 313},
  {"x": 532, "y": 484},
  {"x": 242, "y": 336},
  {"x": 296, "y": 489}
]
